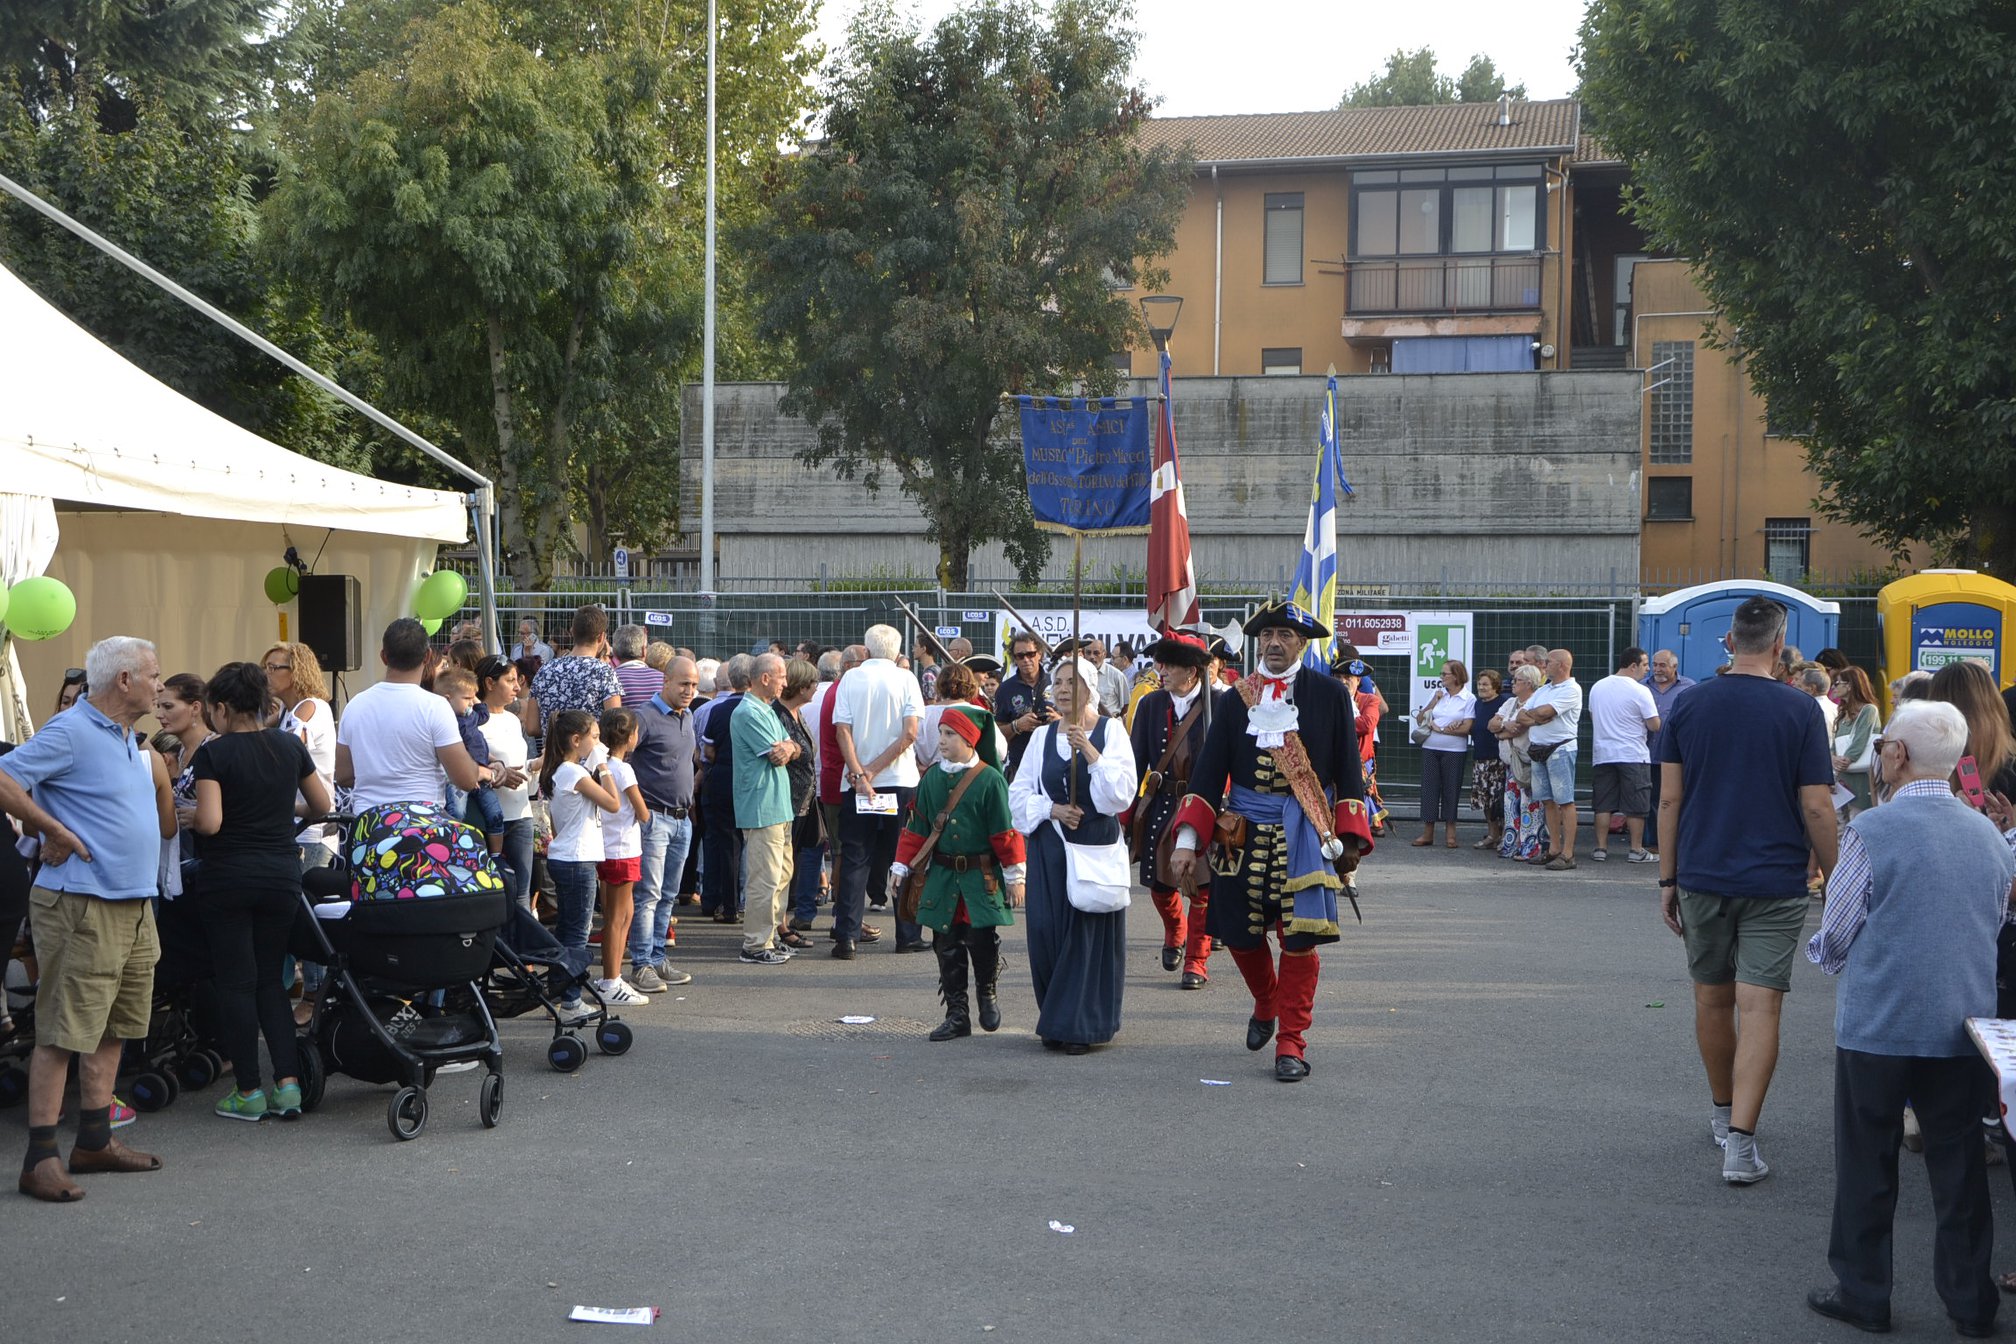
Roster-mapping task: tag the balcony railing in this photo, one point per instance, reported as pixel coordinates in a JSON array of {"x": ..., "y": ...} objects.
[{"x": 1443, "y": 285}]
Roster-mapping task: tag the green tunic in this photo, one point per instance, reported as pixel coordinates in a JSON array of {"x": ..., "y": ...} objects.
[{"x": 982, "y": 815}]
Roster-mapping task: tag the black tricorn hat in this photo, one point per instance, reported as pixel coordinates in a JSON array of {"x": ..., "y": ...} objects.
[
  {"x": 1180, "y": 648},
  {"x": 983, "y": 664},
  {"x": 1288, "y": 616}
]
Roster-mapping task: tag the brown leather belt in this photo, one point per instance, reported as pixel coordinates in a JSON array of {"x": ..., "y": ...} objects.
[{"x": 961, "y": 863}]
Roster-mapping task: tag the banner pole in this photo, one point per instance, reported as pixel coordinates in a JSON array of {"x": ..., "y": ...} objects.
[{"x": 1077, "y": 642}]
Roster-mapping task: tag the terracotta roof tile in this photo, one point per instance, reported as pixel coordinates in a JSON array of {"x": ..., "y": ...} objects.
[{"x": 1371, "y": 132}]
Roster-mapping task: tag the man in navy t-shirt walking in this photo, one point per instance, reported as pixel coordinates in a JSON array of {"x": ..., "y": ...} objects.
[{"x": 1746, "y": 789}]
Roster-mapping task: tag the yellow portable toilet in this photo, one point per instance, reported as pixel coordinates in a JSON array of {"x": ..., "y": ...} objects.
[{"x": 1941, "y": 616}]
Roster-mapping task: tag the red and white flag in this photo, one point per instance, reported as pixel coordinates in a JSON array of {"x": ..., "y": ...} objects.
[{"x": 1172, "y": 579}]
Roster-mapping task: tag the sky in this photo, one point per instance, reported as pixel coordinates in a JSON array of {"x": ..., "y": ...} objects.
[{"x": 1300, "y": 55}]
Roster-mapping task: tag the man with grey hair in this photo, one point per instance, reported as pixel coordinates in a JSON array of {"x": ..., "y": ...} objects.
[
  {"x": 638, "y": 682},
  {"x": 1747, "y": 791},
  {"x": 102, "y": 819},
  {"x": 878, "y": 709},
  {"x": 1915, "y": 903},
  {"x": 763, "y": 810},
  {"x": 721, "y": 844}
]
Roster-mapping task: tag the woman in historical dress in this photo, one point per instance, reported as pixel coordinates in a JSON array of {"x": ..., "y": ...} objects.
[{"x": 1074, "y": 780}]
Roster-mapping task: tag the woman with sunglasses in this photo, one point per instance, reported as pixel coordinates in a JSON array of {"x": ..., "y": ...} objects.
[
  {"x": 295, "y": 683},
  {"x": 72, "y": 690}
]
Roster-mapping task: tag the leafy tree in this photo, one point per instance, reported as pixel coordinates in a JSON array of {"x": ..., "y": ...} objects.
[
  {"x": 509, "y": 199},
  {"x": 1410, "y": 80},
  {"x": 129, "y": 118},
  {"x": 1480, "y": 82},
  {"x": 60, "y": 55},
  {"x": 954, "y": 237},
  {"x": 1843, "y": 178}
]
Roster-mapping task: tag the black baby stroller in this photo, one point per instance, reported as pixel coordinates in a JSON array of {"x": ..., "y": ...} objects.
[
  {"x": 424, "y": 907},
  {"x": 511, "y": 989}
]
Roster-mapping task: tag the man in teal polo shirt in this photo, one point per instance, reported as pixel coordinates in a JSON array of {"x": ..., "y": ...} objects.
[
  {"x": 102, "y": 825},
  {"x": 763, "y": 810}
]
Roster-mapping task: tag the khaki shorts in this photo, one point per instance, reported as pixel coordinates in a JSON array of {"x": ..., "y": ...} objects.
[
  {"x": 1748, "y": 939},
  {"x": 97, "y": 959}
]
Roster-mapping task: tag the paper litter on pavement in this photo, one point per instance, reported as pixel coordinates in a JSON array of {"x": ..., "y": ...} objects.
[
  {"x": 614, "y": 1315},
  {"x": 1216, "y": 1082},
  {"x": 855, "y": 1020},
  {"x": 1065, "y": 1228}
]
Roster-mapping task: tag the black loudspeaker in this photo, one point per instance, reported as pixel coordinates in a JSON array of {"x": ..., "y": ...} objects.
[{"x": 332, "y": 620}]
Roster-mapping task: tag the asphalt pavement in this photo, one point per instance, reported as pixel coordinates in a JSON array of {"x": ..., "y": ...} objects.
[{"x": 1505, "y": 1138}]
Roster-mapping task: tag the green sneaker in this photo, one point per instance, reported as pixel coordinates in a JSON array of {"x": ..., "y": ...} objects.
[
  {"x": 284, "y": 1101},
  {"x": 238, "y": 1105}
]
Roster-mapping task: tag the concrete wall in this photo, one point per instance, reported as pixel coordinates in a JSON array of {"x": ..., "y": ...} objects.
[{"x": 1480, "y": 479}]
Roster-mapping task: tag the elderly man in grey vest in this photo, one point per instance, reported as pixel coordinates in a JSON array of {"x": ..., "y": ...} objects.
[{"x": 1914, "y": 904}]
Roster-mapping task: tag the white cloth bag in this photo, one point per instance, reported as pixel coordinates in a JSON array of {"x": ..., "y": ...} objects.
[{"x": 1097, "y": 879}]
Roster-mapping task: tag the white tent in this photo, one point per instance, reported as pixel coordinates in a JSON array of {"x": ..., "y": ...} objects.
[{"x": 163, "y": 517}]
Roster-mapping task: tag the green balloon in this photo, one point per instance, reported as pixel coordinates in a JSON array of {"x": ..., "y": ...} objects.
[
  {"x": 40, "y": 608},
  {"x": 282, "y": 585},
  {"x": 441, "y": 595},
  {"x": 431, "y": 624}
]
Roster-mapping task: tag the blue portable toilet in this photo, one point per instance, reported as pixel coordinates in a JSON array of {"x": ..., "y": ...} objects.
[{"x": 1692, "y": 621}]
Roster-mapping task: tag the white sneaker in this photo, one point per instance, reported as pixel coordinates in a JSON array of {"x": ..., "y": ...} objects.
[
  {"x": 1718, "y": 1125},
  {"x": 1639, "y": 856},
  {"x": 1599, "y": 854},
  {"x": 576, "y": 1012},
  {"x": 1741, "y": 1162},
  {"x": 618, "y": 994},
  {"x": 459, "y": 1066}
]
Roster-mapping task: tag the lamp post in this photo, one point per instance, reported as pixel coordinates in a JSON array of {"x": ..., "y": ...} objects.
[{"x": 1160, "y": 312}]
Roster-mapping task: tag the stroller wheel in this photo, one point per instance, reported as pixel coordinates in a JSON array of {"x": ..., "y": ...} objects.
[
  {"x": 151, "y": 1091},
  {"x": 313, "y": 1076},
  {"x": 406, "y": 1113},
  {"x": 13, "y": 1086},
  {"x": 613, "y": 1038},
  {"x": 566, "y": 1054},
  {"x": 198, "y": 1071},
  {"x": 490, "y": 1101}
]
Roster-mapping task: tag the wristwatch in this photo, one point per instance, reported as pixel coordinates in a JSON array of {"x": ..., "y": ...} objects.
[{"x": 1665, "y": 882}]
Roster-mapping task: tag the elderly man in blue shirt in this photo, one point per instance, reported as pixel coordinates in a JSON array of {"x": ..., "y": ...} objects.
[
  {"x": 1914, "y": 904},
  {"x": 95, "y": 801}
]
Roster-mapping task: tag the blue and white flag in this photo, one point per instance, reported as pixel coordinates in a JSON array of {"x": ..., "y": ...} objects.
[{"x": 1316, "y": 572}]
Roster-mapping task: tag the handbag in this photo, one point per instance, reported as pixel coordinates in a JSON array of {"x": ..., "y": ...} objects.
[
  {"x": 912, "y": 890},
  {"x": 1151, "y": 787},
  {"x": 1419, "y": 730},
  {"x": 1096, "y": 877},
  {"x": 1860, "y": 765},
  {"x": 1538, "y": 751}
]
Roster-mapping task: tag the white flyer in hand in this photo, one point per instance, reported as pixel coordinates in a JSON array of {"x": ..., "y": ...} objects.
[
  {"x": 614, "y": 1315},
  {"x": 877, "y": 805}
]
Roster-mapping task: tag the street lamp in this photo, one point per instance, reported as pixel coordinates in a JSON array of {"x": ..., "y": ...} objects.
[{"x": 1160, "y": 312}]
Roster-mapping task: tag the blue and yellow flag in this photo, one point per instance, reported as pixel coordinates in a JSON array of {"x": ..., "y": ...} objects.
[{"x": 1316, "y": 572}]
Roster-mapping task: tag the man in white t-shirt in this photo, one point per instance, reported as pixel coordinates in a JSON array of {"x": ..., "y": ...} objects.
[
  {"x": 397, "y": 739},
  {"x": 878, "y": 709},
  {"x": 1554, "y": 713},
  {"x": 1622, "y": 717}
]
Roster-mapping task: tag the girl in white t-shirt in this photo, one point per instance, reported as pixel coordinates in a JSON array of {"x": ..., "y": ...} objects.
[
  {"x": 576, "y": 798},
  {"x": 622, "y": 851}
]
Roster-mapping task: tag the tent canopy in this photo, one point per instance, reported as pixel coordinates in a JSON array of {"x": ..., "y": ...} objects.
[
  {"x": 169, "y": 515},
  {"x": 81, "y": 425}
]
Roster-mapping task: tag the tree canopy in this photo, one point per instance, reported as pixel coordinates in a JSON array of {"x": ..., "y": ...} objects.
[
  {"x": 957, "y": 236},
  {"x": 508, "y": 202},
  {"x": 1410, "y": 79},
  {"x": 1843, "y": 178}
]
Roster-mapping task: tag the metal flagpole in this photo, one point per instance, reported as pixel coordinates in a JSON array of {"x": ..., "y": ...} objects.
[{"x": 707, "y": 341}]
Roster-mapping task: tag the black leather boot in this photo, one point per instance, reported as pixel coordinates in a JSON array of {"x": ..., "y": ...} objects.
[
  {"x": 951, "y": 986},
  {"x": 984, "y": 945}
]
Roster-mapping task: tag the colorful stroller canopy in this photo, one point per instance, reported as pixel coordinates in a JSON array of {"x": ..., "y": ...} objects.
[{"x": 414, "y": 851}]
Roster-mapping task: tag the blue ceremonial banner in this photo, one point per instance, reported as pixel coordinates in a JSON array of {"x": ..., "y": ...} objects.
[{"x": 1088, "y": 462}]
